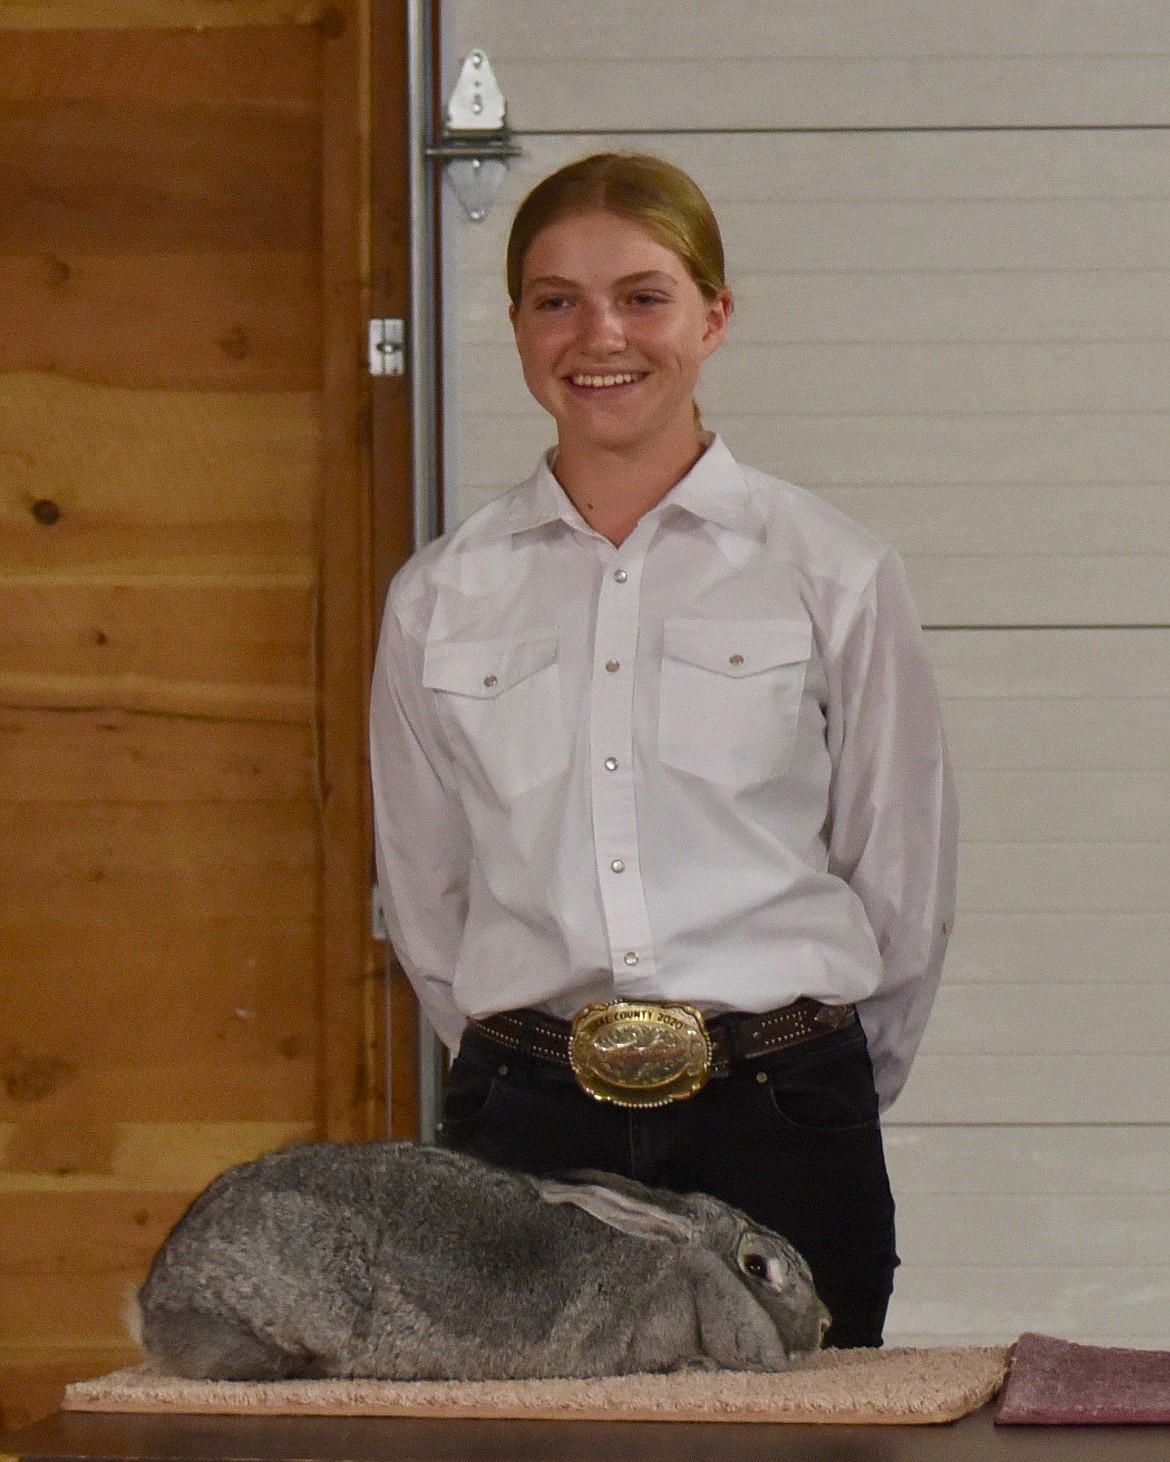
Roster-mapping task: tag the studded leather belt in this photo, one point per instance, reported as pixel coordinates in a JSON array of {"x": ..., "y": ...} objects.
[{"x": 643, "y": 1054}]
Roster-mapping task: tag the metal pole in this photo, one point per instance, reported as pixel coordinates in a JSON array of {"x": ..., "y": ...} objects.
[
  {"x": 422, "y": 362},
  {"x": 422, "y": 366}
]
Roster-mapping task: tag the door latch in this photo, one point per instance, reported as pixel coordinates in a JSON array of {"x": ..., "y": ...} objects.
[{"x": 387, "y": 348}]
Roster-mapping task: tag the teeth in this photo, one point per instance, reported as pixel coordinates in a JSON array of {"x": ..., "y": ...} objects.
[{"x": 624, "y": 379}]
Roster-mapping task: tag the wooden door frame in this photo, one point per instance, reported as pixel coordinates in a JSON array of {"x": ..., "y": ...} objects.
[
  {"x": 391, "y": 432},
  {"x": 365, "y": 531}
]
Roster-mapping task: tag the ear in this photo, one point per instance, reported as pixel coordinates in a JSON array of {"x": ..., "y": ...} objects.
[
  {"x": 717, "y": 320},
  {"x": 620, "y": 1211}
]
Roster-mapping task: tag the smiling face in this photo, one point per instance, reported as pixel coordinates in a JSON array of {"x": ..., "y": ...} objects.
[{"x": 612, "y": 330}]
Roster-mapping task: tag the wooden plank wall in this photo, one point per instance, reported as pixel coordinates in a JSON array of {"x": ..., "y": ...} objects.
[{"x": 184, "y": 634}]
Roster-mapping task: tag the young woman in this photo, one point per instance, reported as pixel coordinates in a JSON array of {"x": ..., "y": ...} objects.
[{"x": 666, "y": 831}]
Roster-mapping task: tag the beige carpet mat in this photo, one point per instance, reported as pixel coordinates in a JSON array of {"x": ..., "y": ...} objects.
[{"x": 861, "y": 1387}]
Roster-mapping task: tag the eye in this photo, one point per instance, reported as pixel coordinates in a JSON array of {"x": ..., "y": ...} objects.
[
  {"x": 552, "y": 302},
  {"x": 756, "y": 1265},
  {"x": 646, "y": 297}
]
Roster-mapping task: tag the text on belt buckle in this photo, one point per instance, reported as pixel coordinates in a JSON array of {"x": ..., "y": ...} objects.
[{"x": 640, "y": 1055}]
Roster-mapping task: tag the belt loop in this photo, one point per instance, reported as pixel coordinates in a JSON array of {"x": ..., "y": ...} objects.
[
  {"x": 732, "y": 1025},
  {"x": 527, "y": 1036}
]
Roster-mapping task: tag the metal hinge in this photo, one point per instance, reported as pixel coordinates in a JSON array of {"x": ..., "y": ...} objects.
[
  {"x": 387, "y": 348},
  {"x": 477, "y": 141}
]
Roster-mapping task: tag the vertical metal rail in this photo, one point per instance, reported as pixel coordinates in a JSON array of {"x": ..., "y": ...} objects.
[
  {"x": 422, "y": 330},
  {"x": 422, "y": 365}
]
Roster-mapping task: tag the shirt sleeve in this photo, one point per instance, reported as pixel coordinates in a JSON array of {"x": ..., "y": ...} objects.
[
  {"x": 421, "y": 837},
  {"x": 894, "y": 829}
]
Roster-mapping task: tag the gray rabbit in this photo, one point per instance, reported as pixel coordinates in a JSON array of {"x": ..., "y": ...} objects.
[{"x": 409, "y": 1262}]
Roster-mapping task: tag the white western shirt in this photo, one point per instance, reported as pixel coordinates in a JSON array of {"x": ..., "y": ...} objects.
[{"x": 706, "y": 765}]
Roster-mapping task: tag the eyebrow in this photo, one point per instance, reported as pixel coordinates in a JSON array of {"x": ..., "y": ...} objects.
[{"x": 639, "y": 278}]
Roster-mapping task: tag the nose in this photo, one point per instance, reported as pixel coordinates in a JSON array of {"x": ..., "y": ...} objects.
[{"x": 602, "y": 329}]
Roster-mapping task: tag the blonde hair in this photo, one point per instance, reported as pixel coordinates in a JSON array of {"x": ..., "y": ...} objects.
[{"x": 646, "y": 190}]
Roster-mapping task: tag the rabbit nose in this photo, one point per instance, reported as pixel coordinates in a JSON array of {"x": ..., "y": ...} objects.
[{"x": 826, "y": 1321}]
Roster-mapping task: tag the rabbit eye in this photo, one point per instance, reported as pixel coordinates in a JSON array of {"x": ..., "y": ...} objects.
[{"x": 756, "y": 1265}]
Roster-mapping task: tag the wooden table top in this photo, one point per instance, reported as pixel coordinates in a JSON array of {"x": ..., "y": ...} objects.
[{"x": 127, "y": 1437}]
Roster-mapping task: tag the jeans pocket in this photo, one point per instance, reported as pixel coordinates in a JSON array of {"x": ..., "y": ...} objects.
[
  {"x": 827, "y": 1091},
  {"x": 468, "y": 1093}
]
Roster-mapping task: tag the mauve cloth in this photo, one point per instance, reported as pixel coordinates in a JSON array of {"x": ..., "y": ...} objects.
[{"x": 1060, "y": 1383}]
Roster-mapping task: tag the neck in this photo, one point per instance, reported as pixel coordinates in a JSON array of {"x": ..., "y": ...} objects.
[{"x": 614, "y": 490}]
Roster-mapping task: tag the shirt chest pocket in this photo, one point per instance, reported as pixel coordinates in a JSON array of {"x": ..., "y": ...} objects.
[
  {"x": 500, "y": 704},
  {"x": 729, "y": 697}
]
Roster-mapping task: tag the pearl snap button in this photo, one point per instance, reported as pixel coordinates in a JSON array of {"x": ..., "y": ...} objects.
[
  {"x": 618, "y": 866},
  {"x": 631, "y": 958},
  {"x": 621, "y": 576},
  {"x": 611, "y": 763},
  {"x": 737, "y": 659},
  {"x": 612, "y": 665},
  {"x": 489, "y": 680}
]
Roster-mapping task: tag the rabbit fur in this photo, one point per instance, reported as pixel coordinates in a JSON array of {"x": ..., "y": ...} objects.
[{"x": 409, "y": 1262}]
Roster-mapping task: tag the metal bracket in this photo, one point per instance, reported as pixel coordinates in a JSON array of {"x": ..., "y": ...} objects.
[
  {"x": 387, "y": 348},
  {"x": 477, "y": 141}
]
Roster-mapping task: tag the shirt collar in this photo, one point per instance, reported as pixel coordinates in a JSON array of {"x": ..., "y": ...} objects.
[
  {"x": 535, "y": 503},
  {"x": 713, "y": 491}
]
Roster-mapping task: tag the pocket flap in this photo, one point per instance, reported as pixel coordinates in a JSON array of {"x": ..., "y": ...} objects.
[
  {"x": 485, "y": 668},
  {"x": 738, "y": 646}
]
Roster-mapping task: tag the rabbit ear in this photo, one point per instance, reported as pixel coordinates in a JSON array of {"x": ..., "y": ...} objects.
[{"x": 619, "y": 1210}]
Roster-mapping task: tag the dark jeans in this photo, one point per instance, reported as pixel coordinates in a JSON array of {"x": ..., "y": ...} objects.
[{"x": 791, "y": 1139}]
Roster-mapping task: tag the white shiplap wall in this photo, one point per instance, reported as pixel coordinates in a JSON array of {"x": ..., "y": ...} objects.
[{"x": 948, "y": 226}]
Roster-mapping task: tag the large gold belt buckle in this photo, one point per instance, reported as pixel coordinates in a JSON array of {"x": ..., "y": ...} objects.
[{"x": 640, "y": 1055}]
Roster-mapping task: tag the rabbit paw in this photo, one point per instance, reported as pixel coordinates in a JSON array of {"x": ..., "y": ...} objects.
[{"x": 696, "y": 1363}]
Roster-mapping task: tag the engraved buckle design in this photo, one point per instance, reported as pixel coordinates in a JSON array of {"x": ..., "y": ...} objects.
[{"x": 640, "y": 1055}]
